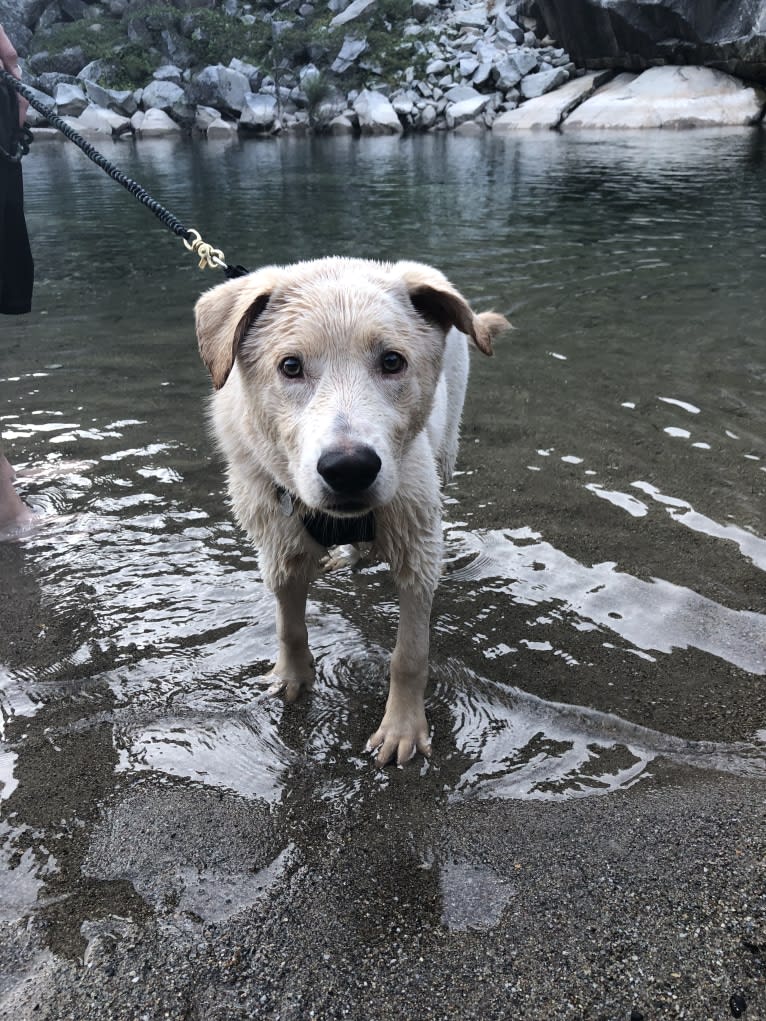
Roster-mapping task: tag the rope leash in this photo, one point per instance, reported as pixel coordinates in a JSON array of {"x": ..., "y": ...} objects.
[{"x": 208, "y": 255}]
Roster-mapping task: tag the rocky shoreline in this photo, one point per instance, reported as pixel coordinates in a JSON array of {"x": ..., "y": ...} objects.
[{"x": 474, "y": 67}]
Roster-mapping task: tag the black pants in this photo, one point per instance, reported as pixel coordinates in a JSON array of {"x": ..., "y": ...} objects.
[{"x": 16, "y": 265}]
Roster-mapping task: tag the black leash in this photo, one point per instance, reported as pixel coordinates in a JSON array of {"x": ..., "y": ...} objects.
[{"x": 191, "y": 238}]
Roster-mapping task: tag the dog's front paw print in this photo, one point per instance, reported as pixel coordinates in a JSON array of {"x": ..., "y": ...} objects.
[{"x": 401, "y": 734}]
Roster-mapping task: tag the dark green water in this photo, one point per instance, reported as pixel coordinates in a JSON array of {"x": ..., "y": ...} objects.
[{"x": 604, "y": 604}]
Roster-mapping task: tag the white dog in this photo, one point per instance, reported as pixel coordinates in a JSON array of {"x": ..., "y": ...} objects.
[{"x": 339, "y": 389}]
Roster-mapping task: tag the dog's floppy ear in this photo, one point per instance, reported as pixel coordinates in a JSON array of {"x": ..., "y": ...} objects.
[
  {"x": 223, "y": 316},
  {"x": 434, "y": 297}
]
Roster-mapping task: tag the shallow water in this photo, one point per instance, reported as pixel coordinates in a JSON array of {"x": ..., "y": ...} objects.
[{"x": 602, "y": 610}]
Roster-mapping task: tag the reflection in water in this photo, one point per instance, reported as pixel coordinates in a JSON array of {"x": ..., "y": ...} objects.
[
  {"x": 655, "y": 615},
  {"x": 134, "y": 627}
]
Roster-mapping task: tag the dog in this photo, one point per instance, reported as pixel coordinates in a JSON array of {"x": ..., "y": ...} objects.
[{"x": 338, "y": 390}]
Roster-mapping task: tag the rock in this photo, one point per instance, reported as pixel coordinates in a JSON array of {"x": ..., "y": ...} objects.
[
  {"x": 69, "y": 61},
  {"x": 162, "y": 95},
  {"x": 96, "y": 70},
  {"x": 638, "y": 33},
  {"x": 157, "y": 124},
  {"x": 422, "y": 10},
  {"x": 404, "y": 103},
  {"x": 460, "y": 92},
  {"x": 465, "y": 110},
  {"x": 204, "y": 117},
  {"x": 73, "y": 10},
  {"x": 137, "y": 119},
  {"x": 105, "y": 121},
  {"x": 122, "y": 101},
  {"x": 340, "y": 126},
  {"x": 470, "y": 128},
  {"x": 352, "y": 12},
  {"x": 437, "y": 66},
  {"x": 505, "y": 23},
  {"x": 259, "y": 112},
  {"x": 670, "y": 97},
  {"x": 427, "y": 117},
  {"x": 376, "y": 114},
  {"x": 350, "y": 51},
  {"x": 219, "y": 86},
  {"x": 168, "y": 73},
  {"x": 547, "y": 111},
  {"x": 70, "y": 100},
  {"x": 220, "y": 129},
  {"x": 95, "y": 93},
  {"x": 544, "y": 81},
  {"x": 48, "y": 80},
  {"x": 250, "y": 71},
  {"x": 472, "y": 17},
  {"x": 467, "y": 66}
]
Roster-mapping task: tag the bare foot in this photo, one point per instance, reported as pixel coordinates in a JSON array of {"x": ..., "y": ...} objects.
[{"x": 14, "y": 513}]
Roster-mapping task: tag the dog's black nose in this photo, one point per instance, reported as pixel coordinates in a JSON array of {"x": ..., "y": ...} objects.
[{"x": 349, "y": 469}]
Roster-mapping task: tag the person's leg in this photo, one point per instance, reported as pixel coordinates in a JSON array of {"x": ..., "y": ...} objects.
[{"x": 14, "y": 513}]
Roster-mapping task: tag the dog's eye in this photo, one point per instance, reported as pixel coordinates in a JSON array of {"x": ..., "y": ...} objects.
[
  {"x": 392, "y": 362},
  {"x": 291, "y": 367}
]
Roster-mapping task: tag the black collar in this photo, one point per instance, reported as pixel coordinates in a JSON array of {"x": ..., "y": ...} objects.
[{"x": 328, "y": 530}]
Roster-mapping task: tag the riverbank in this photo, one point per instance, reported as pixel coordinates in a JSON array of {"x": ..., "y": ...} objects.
[{"x": 463, "y": 69}]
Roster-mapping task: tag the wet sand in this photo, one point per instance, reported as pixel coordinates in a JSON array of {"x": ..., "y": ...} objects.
[{"x": 168, "y": 898}]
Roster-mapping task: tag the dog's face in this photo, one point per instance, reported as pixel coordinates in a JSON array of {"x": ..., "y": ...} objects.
[{"x": 338, "y": 362}]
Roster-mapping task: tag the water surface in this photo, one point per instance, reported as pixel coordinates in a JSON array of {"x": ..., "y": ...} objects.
[{"x": 602, "y": 612}]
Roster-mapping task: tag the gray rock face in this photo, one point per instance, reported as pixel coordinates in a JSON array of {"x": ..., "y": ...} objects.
[
  {"x": 162, "y": 95},
  {"x": 350, "y": 51},
  {"x": 352, "y": 12},
  {"x": 70, "y": 100},
  {"x": 670, "y": 97},
  {"x": 633, "y": 34},
  {"x": 376, "y": 114},
  {"x": 219, "y": 86},
  {"x": 544, "y": 81},
  {"x": 259, "y": 112}
]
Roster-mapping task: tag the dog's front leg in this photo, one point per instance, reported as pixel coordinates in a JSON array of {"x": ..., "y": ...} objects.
[
  {"x": 294, "y": 669},
  {"x": 404, "y": 730}
]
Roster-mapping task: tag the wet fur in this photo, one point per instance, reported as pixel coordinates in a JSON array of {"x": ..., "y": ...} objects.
[{"x": 339, "y": 316}]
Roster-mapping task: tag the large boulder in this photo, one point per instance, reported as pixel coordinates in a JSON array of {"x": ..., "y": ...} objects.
[
  {"x": 161, "y": 95},
  {"x": 350, "y": 51},
  {"x": 535, "y": 85},
  {"x": 635, "y": 34},
  {"x": 465, "y": 110},
  {"x": 547, "y": 111},
  {"x": 670, "y": 97},
  {"x": 18, "y": 17},
  {"x": 70, "y": 100},
  {"x": 156, "y": 124},
  {"x": 259, "y": 112},
  {"x": 376, "y": 114},
  {"x": 219, "y": 86}
]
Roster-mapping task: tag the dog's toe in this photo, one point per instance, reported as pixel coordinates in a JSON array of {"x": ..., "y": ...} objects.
[
  {"x": 401, "y": 743},
  {"x": 286, "y": 687}
]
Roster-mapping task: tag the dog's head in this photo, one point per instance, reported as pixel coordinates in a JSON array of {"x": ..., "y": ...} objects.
[{"x": 337, "y": 363}]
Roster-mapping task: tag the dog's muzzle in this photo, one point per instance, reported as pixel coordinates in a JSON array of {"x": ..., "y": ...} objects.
[{"x": 349, "y": 470}]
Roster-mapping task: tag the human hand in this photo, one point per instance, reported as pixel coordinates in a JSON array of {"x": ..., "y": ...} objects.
[{"x": 9, "y": 61}]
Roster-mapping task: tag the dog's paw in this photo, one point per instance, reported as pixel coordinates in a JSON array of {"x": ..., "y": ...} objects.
[
  {"x": 340, "y": 556},
  {"x": 290, "y": 688},
  {"x": 401, "y": 735}
]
